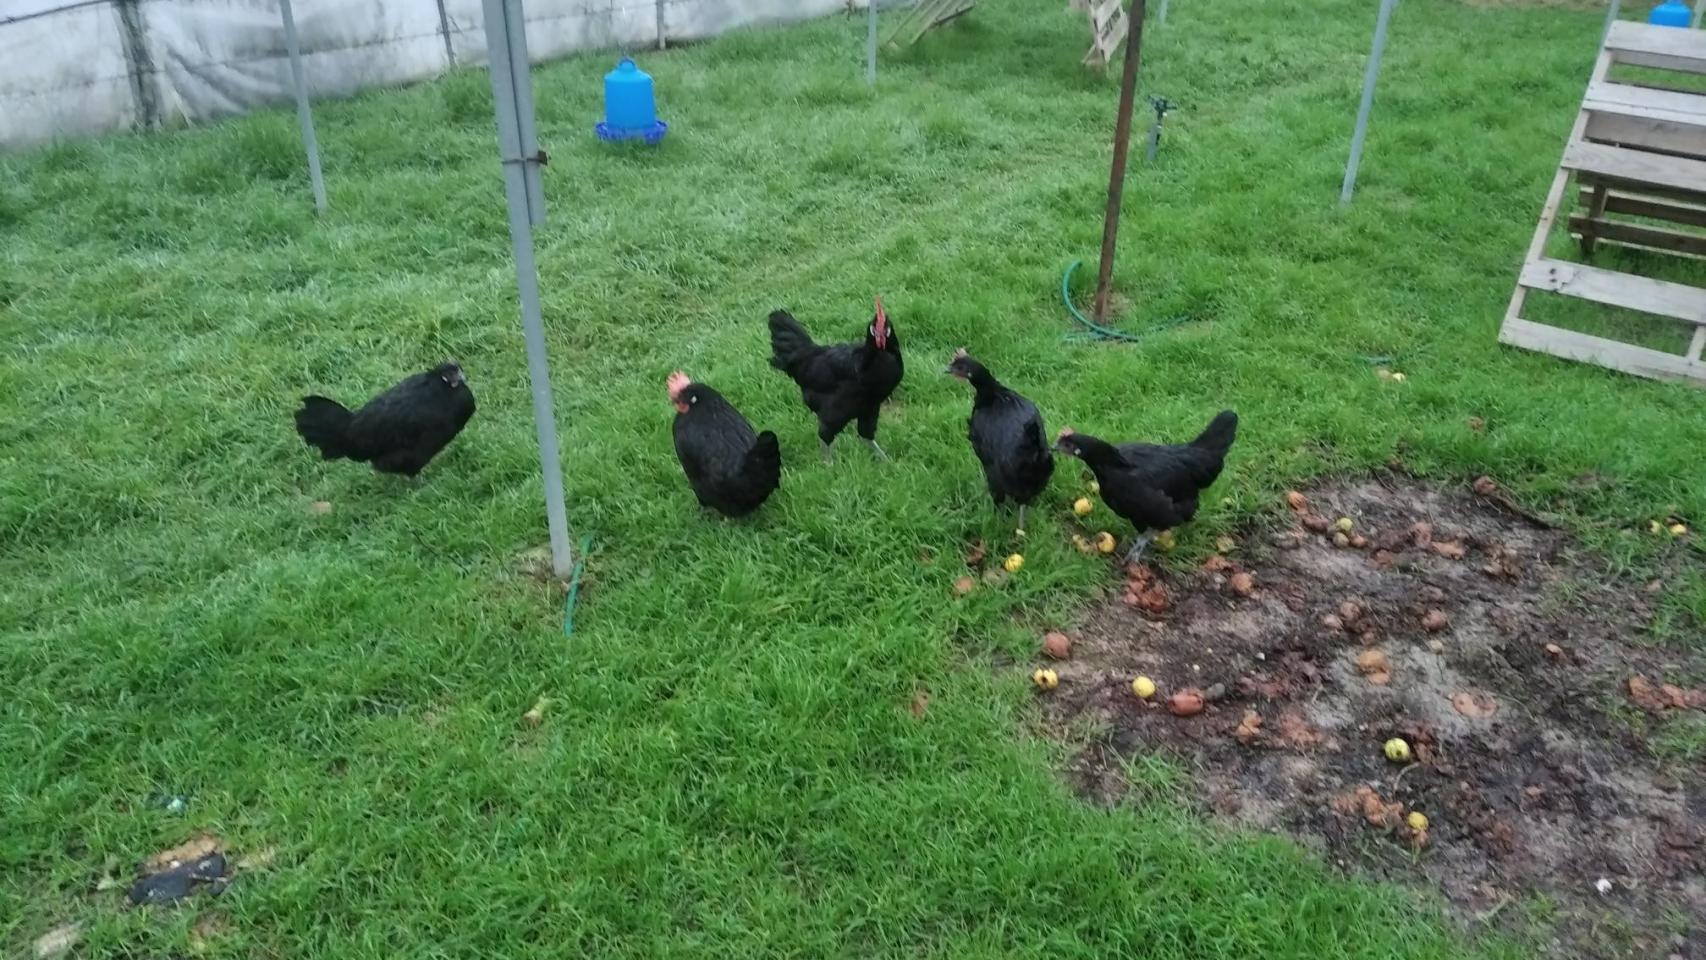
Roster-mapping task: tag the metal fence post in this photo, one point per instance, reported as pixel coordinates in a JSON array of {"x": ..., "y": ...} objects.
[
  {"x": 518, "y": 149},
  {"x": 303, "y": 113},
  {"x": 1367, "y": 104}
]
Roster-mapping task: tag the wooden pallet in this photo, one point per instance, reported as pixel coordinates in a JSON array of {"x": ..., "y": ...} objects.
[
  {"x": 922, "y": 18},
  {"x": 1635, "y": 151},
  {"x": 1108, "y": 28}
]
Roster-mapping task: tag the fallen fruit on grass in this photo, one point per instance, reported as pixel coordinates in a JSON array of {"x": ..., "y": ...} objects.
[
  {"x": 1375, "y": 666},
  {"x": 1344, "y": 524},
  {"x": 1014, "y": 562},
  {"x": 1340, "y": 540},
  {"x": 1486, "y": 486},
  {"x": 536, "y": 716},
  {"x": 1474, "y": 704},
  {"x": 1654, "y": 527},
  {"x": 1350, "y": 611},
  {"x": 1397, "y": 750},
  {"x": 1242, "y": 583},
  {"x": 1045, "y": 679},
  {"x": 1249, "y": 728},
  {"x": 1105, "y": 542},
  {"x": 963, "y": 586},
  {"x": 1185, "y": 703},
  {"x": 1143, "y": 687},
  {"x": 1554, "y": 651},
  {"x": 1223, "y": 544},
  {"x": 1094, "y": 487},
  {"x": 1417, "y": 821},
  {"x": 1057, "y": 645},
  {"x": 1082, "y": 506},
  {"x": 1434, "y": 621},
  {"x": 1333, "y": 621},
  {"x": 1296, "y": 501},
  {"x": 1398, "y": 376},
  {"x": 320, "y": 508},
  {"x": 1164, "y": 541},
  {"x": 1358, "y": 541},
  {"x": 1677, "y": 529}
]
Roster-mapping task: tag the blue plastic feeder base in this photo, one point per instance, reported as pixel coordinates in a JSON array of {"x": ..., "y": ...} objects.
[{"x": 651, "y": 135}]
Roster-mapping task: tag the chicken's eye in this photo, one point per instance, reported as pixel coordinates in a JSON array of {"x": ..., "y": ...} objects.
[{"x": 692, "y": 399}]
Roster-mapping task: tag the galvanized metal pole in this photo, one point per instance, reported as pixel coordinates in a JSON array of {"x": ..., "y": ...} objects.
[
  {"x": 506, "y": 48},
  {"x": 1122, "y": 142},
  {"x": 444, "y": 31},
  {"x": 1161, "y": 15},
  {"x": 871, "y": 42},
  {"x": 661, "y": 35},
  {"x": 303, "y": 113},
  {"x": 1369, "y": 76},
  {"x": 1699, "y": 8},
  {"x": 1611, "y": 18}
]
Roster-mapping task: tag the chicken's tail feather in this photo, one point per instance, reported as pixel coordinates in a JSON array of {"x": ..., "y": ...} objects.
[
  {"x": 324, "y": 424},
  {"x": 764, "y": 461},
  {"x": 1217, "y": 437},
  {"x": 788, "y": 340}
]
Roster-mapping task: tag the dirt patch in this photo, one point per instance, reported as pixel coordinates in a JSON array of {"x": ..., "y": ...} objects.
[{"x": 1500, "y": 657}]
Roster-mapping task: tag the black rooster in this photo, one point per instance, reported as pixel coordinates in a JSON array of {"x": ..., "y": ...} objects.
[
  {"x": 399, "y": 431},
  {"x": 840, "y": 383},
  {"x": 1006, "y": 433},
  {"x": 730, "y": 469},
  {"x": 1154, "y": 486}
]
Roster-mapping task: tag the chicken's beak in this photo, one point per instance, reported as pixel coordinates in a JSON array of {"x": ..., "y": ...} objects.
[{"x": 882, "y": 333}]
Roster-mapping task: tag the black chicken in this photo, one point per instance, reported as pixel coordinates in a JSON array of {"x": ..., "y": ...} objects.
[
  {"x": 1154, "y": 486},
  {"x": 840, "y": 383},
  {"x": 399, "y": 431},
  {"x": 1006, "y": 433},
  {"x": 730, "y": 469}
]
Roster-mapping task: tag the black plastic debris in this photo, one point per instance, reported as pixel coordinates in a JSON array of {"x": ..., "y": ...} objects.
[{"x": 203, "y": 875}]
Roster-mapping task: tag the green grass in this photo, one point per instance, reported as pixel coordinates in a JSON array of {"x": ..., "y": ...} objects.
[{"x": 728, "y": 768}]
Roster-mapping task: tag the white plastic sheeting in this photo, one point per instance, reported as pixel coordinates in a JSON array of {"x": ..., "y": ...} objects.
[{"x": 75, "y": 67}]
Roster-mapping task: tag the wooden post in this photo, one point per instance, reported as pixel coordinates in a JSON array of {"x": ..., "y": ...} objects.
[{"x": 1122, "y": 141}]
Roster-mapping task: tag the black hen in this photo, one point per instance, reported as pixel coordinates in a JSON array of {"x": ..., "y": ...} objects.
[
  {"x": 400, "y": 430},
  {"x": 1154, "y": 486},
  {"x": 840, "y": 383},
  {"x": 731, "y": 469},
  {"x": 1006, "y": 433}
]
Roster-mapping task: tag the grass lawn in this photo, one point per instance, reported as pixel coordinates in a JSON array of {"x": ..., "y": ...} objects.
[{"x": 728, "y": 767}]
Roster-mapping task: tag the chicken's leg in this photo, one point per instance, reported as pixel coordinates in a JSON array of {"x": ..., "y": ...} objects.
[
  {"x": 1136, "y": 552},
  {"x": 876, "y": 449},
  {"x": 1021, "y": 530},
  {"x": 828, "y": 452}
]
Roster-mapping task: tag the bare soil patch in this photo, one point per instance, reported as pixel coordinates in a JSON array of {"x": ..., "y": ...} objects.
[{"x": 1507, "y": 662}]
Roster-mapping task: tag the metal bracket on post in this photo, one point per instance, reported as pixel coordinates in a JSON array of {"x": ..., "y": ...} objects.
[
  {"x": 304, "y": 114},
  {"x": 1363, "y": 109},
  {"x": 518, "y": 148}
]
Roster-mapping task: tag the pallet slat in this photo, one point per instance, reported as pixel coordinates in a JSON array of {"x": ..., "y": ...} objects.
[
  {"x": 1637, "y": 235},
  {"x": 1665, "y": 48},
  {"x": 1638, "y": 101},
  {"x": 1570, "y": 345},
  {"x": 1675, "y": 300},
  {"x": 1637, "y": 167},
  {"x": 1637, "y": 206}
]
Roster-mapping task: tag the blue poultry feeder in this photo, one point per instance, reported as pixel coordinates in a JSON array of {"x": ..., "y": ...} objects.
[
  {"x": 1671, "y": 13},
  {"x": 630, "y": 109}
]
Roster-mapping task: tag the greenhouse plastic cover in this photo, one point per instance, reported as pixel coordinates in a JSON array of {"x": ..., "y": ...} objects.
[{"x": 70, "y": 68}]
